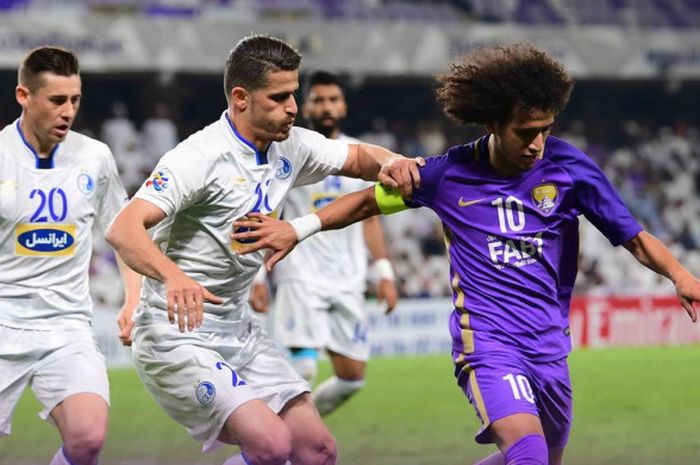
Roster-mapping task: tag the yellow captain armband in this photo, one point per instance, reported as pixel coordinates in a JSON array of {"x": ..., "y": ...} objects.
[{"x": 388, "y": 200}]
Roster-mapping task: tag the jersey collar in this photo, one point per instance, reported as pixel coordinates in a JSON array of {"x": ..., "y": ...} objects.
[
  {"x": 41, "y": 163},
  {"x": 260, "y": 157}
]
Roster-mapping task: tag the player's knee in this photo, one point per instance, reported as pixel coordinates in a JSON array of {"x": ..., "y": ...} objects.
[
  {"x": 323, "y": 451},
  {"x": 272, "y": 448},
  {"x": 529, "y": 450},
  {"x": 84, "y": 446}
]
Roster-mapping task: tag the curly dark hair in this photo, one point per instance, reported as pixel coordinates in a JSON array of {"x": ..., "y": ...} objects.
[{"x": 488, "y": 84}]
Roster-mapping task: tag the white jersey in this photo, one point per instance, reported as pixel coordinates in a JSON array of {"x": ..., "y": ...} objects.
[
  {"x": 331, "y": 259},
  {"x": 46, "y": 219},
  {"x": 205, "y": 183}
]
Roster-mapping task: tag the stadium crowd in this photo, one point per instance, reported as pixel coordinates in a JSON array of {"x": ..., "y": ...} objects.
[{"x": 655, "y": 168}]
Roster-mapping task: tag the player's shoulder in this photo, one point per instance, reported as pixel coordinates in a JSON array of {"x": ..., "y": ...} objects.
[
  {"x": 207, "y": 143},
  {"x": 559, "y": 150},
  {"x": 81, "y": 144}
]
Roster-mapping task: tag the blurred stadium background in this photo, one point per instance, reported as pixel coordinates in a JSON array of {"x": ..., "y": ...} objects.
[{"x": 152, "y": 75}]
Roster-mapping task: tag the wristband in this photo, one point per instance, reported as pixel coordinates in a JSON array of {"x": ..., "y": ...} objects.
[
  {"x": 384, "y": 270},
  {"x": 304, "y": 226}
]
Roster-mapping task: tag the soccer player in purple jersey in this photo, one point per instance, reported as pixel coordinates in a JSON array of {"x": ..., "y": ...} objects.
[{"x": 509, "y": 202}]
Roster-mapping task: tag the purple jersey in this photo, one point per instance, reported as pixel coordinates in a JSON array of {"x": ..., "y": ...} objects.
[{"x": 513, "y": 243}]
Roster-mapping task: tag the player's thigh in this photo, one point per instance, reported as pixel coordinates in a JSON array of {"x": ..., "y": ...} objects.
[
  {"x": 300, "y": 317},
  {"x": 346, "y": 367},
  {"x": 76, "y": 368},
  {"x": 498, "y": 386},
  {"x": 348, "y": 321},
  {"x": 194, "y": 384},
  {"x": 20, "y": 353},
  {"x": 81, "y": 416},
  {"x": 254, "y": 426},
  {"x": 554, "y": 400}
]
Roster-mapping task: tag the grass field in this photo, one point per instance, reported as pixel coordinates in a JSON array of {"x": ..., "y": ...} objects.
[{"x": 632, "y": 406}]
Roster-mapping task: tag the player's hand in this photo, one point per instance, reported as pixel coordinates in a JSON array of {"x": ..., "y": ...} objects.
[
  {"x": 268, "y": 233},
  {"x": 387, "y": 293},
  {"x": 688, "y": 290},
  {"x": 126, "y": 324},
  {"x": 402, "y": 173},
  {"x": 260, "y": 298},
  {"x": 186, "y": 298}
]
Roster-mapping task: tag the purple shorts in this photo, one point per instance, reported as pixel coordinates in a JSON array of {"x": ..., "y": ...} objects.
[{"x": 499, "y": 384}]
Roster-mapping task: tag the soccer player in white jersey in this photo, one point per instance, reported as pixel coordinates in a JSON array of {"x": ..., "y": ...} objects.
[
  {"x": 218, "y": 373},
  {"x": 54, "y": 185},
  {"x": 320, "y": 286}
]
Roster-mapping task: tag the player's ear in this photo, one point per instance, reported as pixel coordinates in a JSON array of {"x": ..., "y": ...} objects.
[
  {"x": 239, "y": 98},
  {"x": 22, "y": 95}
]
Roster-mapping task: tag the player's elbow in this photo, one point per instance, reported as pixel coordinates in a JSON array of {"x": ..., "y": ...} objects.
[{"x": 115, "y": 232}]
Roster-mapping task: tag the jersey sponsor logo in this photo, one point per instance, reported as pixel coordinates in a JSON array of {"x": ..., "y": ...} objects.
[
  {"x": 205, "y": 392},
  {"x": 321, "y": 199},
  {"x": 159, "y": 180},
  {"x": 283, "y": 169},
  {"x": 86, "y": 184},
  {"x": 45, "y": 240},
  {"x": 545, "y": 196},
  {"x": 465, "y": 203}
]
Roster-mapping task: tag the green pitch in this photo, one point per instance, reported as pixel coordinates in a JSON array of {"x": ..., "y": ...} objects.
[{"x": 632, "y": 406}]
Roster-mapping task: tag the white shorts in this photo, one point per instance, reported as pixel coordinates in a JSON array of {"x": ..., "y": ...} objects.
[
  {"x": 305, "y": 317},
  {"x": 55, "y": 364},
  {"x": 199, "y": 378}
]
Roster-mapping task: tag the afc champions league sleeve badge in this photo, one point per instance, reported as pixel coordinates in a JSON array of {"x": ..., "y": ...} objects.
[
  {"x": 545, "y": 197},
  {"x": 160, "y": 180}
]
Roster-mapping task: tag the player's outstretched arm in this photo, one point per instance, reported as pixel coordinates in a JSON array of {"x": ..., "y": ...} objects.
[
  {"x": 132, "y": 291},
  {"x": 653, "y": 254},
  {"x": 375, "y": 163},
  {"x": 282, "y": 236},
  {"x": 129, "y": 237}
]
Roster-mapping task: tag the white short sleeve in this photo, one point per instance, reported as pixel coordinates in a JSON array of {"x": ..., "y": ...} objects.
[
  {"x": 323, "y": 156},
  {"x": 177, "y": 181}
]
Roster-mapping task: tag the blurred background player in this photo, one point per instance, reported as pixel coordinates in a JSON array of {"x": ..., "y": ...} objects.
[
  {"x": 509, "y": 202},
  {"x": 320, "y": 301},
  {"x": 218, "y": 373},
  {"x": 54, "y": 185}
]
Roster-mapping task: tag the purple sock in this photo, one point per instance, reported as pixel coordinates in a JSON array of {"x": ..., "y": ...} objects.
[{"x": 529, "y": 450}]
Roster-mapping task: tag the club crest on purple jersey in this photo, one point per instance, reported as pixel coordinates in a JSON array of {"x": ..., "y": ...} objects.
[{"x": 544, "y": 196}]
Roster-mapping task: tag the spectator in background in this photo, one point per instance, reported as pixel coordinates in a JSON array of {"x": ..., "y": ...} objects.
[{"x": 159, "y": 134}]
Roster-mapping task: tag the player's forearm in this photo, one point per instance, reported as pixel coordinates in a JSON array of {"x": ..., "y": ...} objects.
[
  {"x": 653, "y": 254},
  {"x": 374, "y": 238},
  {"x": 365, "y": 161},
  {"x": 131, "y": 241},
  {"x": 132, "y": 283},
  {"x": 348, "y": 210}
]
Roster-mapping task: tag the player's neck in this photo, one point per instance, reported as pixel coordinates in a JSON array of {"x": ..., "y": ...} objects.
[
  {"x": 247, "y": 133},
  {"x": 41, "y": 148},
  {"x": 499, "y": 162}
]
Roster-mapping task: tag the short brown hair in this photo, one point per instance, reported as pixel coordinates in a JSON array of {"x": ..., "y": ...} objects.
[
  {"x": 253, "y": 57},
  {"x": 488, "y": 84},
  {"x": 57, "y": 60}
]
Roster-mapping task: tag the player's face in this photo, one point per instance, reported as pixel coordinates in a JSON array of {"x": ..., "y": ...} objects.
[
  {"x": 50, "y": 109},
  {"x": 325, "y": 108},
  {"x": 518, "y": 144},
  {"x": 274, "y": 107}
]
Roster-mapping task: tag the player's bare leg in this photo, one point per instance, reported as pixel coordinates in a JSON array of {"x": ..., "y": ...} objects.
[
  {"x": 312, "y": 442},
  {"x": 521, "y": 439},
  {"x": 349, "y": 378},
  {"x": 82, "y": 422},
  {"x": 262, "y": 436}
]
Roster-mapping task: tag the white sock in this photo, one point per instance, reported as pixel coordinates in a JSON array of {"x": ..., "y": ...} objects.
[
  {"x": 496, "y": 458},
  {"x": 60, "y": 458},
  {"x": 306, "y": 367},
  {"x": 331, "y": 393}
]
